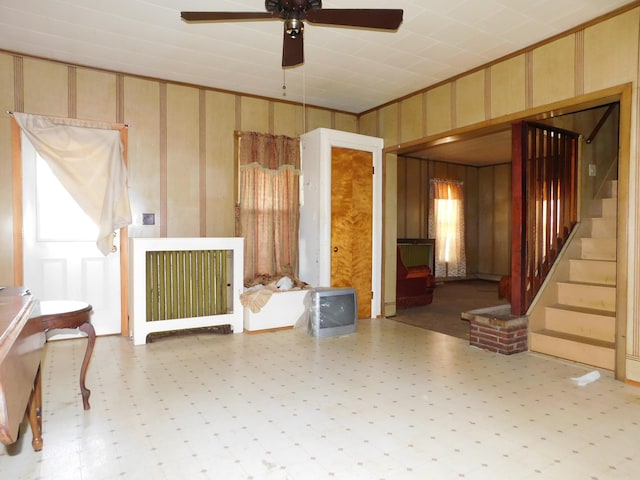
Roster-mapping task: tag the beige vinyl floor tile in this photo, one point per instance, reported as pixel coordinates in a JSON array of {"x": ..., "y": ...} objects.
[{"x": 391, "y": 401}]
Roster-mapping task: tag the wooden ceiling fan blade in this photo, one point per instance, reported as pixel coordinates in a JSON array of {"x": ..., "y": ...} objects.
[
  {"x": 292, "y": 50},
  {"x": 222, "y": 16},
  {"x": 387, "y": 19}
]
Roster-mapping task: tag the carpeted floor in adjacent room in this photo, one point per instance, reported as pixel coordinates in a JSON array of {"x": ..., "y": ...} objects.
[{"x": 450, "y": 299}]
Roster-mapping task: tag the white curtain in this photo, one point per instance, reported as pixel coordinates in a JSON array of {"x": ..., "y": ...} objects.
[
  {"x": 87, "y": 158},
  {"x": 446, "y": 225}
]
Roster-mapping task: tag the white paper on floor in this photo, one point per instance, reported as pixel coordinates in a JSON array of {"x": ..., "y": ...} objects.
[{"x": 587, "y": 378}]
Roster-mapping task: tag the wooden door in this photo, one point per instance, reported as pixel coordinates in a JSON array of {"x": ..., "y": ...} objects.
[{"x": 352, "y": 223}]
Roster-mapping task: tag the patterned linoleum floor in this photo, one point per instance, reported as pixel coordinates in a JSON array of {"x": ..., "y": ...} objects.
[{"x": 390, "y": 401}]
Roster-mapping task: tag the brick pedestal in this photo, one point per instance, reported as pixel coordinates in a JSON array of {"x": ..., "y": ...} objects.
[{"x": 496, "y": 330}]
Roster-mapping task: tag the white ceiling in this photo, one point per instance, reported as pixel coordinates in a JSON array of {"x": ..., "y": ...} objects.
[{"x": 351, "y": 70}]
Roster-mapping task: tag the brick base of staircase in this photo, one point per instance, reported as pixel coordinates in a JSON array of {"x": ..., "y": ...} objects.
[{"x": 496, "y": 330}]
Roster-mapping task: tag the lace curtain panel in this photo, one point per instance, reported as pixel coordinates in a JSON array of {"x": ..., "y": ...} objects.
[
  {"x": 268, "y": 208},
  {"x": 87, "y": 158},
  {"x": 446, "y": 225}
]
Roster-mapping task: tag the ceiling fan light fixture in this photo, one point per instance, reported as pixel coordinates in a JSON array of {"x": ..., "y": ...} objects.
[{"x": 294, "y": 27}]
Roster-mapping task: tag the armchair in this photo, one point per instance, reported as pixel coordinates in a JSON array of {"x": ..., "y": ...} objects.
[{"x": 414, "y": 285}]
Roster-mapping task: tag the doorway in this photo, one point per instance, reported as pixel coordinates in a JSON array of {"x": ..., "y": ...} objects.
[
  {"x": 439, "y": 158},
  {"x": 60, "y": 258}
]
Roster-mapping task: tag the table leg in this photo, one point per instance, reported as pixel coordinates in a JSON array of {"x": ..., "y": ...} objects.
[
  {"x": 35, "y": 413},
  {"x": 91, "y": 340}
]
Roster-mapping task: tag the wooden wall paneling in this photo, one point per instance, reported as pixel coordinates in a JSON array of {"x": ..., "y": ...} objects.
[
  {"x": 411, "y": 118},
  {"x": 485, "y": 220},
  {"x": 471, "y": 212},
  {"x": 96, "y": 95},
  {"x": 401, "y": 210},
  {"x": 345, "y": 122},
  {"x": 456, "y": 172},
  {"x": 183, "y": 181},
  {"x": 439, "y": 109},
  {"x": 578, "y": 74},
  {"x": 389, "y": 233},
  {"x": 317, "y": 118},
  {"x": 202, "y": 160},
  {"x": 611, "y": 52},
  {"x": 502, "y": 220},
  {"x": 221, "y": 168},
  {"x": 470, "y": 98},
  {"x": 254, "y": 115},
  {"x": 6, "y": 191},
  {"x": 507, "y": 87},
  {"x": 388, "y": 124},
  {"x": 368, "y": 124},
  {"x": 440, "y": 170},
  {"x": 553, "y": 71},
  {"x": 46, "y": 87},
  {"x": 424, "y": 199},
  {"x": 142, "y": 113},
  {"x": 414, "y": 185},
  {"x": 287, "y": 119}
]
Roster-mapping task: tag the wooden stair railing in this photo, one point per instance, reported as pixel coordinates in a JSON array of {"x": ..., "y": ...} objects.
[{"x": 544, "y": 205}]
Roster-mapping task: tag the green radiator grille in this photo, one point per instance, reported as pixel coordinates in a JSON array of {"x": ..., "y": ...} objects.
[{"x": 187, "y": 283}]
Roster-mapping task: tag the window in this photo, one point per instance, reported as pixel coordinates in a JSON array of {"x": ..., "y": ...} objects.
[
  {"x": 268, "y": 206},
  {"x": 446, "y": 225}
]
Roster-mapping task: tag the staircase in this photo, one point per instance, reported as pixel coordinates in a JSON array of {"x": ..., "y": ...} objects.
[{"x": 579, "y": 323}]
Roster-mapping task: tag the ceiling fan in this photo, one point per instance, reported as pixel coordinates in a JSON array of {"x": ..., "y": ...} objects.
[{"x": 293, "y": 12}]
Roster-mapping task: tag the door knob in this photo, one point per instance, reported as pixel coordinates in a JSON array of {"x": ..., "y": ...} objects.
[{"x": 335, "y": 249}]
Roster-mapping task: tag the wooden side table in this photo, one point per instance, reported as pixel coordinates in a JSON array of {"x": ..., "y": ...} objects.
[{"x": 71, "y": 314}]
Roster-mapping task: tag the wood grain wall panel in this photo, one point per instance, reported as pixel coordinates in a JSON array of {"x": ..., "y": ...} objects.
[
  {"x": 471, "y": 225},
  {"x": 287, "y": 119},
  {"x": 6, "y": 192},
  {"x": 389, "y": 197},
  {"x": 221, "y": 168},
  {"x": 439, "y": 109},
  {"x": 455, "y": 172},
  {"x": 501, "y": 220},
  {"x": 485, "y": 220},
  {"x": 412, "y": 118},
  {"x": 553, "y": 71},
  {"x": 611, "y": 52},
  {"x": 368, "y": 124},
  {"x": 183, "y": 165},
  {"x": 317, "y": 118},
  {"x": 46, "y": 87},
  {"x": 439, "y": 169},
  {"x": 254, "y": 115},
  {"x": 96, "y": 95},
  {"x": 388, "y": 124},
  {"x": 507, "y": 87},
  {"x": 142, "y": 113},
  {"x": 414, "y": 189},
  {"x": 470, "y": 99},
  {"x": 401, "y": 206},
  {"x": 345, "y": 122}
]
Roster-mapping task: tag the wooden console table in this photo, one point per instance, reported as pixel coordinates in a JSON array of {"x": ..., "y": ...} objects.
[{"x": 70, "y": 314}]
